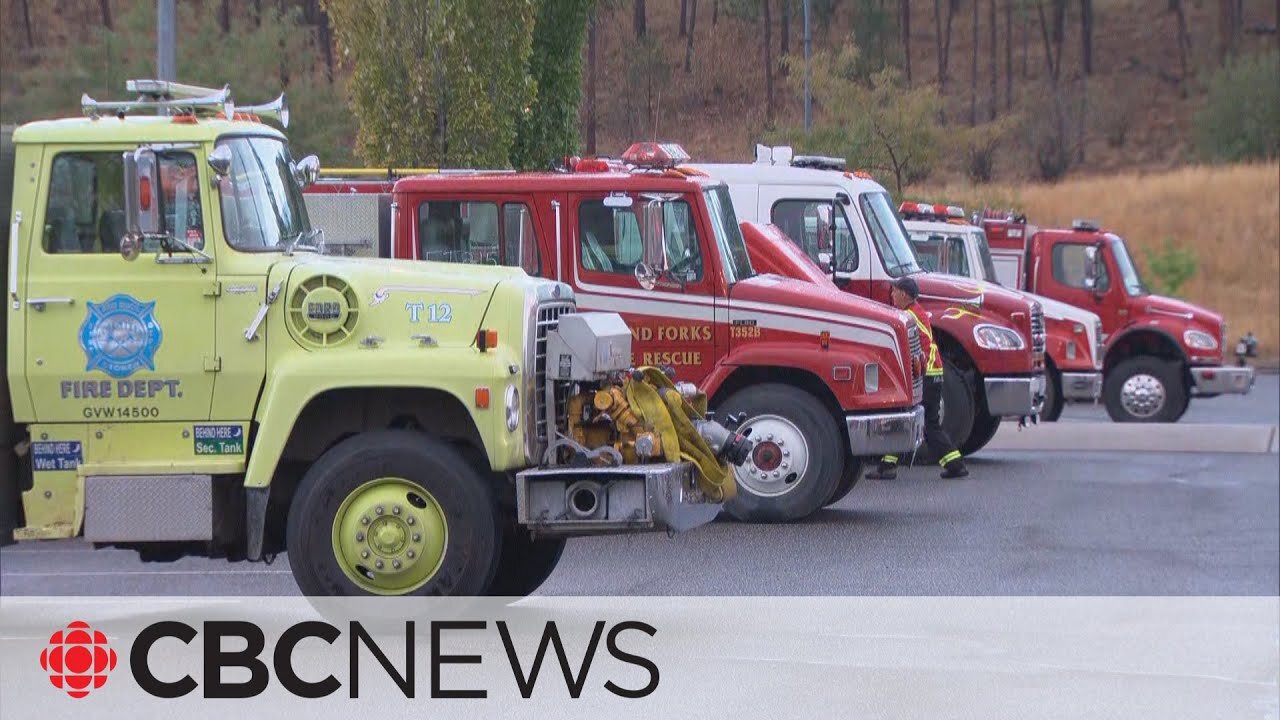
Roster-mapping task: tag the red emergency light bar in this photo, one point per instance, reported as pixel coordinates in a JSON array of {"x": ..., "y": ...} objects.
[
  {"x": 655, "y": 155},
  {"x": 932, "y": 211}
]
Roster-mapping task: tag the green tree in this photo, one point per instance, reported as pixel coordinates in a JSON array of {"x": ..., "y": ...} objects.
[
  {"x": 255, "y": 61},
  {"x": 1241, "y": 120},
  {"x": 550, "y": 129},
  {"x": 1171, "y": 267},
  {"x": 435, "y": 82},
  {"x": 876, "y": 124}
]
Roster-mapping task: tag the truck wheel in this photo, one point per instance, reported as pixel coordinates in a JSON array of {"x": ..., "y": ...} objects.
[
  {"x": 852, "y": 473},
  {"x": 984, "y": 429},
  {"x": 798, "y": 458},
  {"x": 1145, "y": 389},
  {"x": 392, "y": 512},
  {"x": 525, "y": 564},
  {"x": 1053, "y": 402}
]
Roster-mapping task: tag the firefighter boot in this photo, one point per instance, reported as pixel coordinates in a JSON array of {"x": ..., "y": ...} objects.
[
  {"x": 887, "y": 470},
  {"x": 954, "y": 468}
]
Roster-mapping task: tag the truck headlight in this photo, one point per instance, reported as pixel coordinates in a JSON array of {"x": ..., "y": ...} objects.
[
  {"x": 1199, "y": 340},
  {"x": 994, "y": 337},
  {"x": 511, "y": 402}
]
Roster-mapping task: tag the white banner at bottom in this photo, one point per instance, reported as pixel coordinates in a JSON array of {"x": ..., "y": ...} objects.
[{"x": 641, "y": 657}]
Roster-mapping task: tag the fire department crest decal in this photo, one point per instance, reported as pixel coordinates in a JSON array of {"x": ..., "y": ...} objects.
[{"x": 120, "y": 336}]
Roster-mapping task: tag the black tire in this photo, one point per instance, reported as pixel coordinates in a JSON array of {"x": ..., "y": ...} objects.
[
  {"x": 525, "y": 564},
  {"x": 1156, "y": 377},
  {"x": 984, "y": 429},
  {"x": 1053, "y": 401},
  {"x": 471, "y": 552},
  {"x": 848, "y": 479},
  {"x": 807, "y": 492}
]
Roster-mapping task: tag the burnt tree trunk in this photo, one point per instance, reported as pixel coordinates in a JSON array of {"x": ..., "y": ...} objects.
[
  {"x": 1052, "y": 60},
  {"x": 26, "y": 23},
  {"x": 942, "y": 39},
  {"x": 1008, "y": 54},
  {"x": 995, "y": 80},
  {"x": 784, "y": 18},
  {"x": 593, "y": 43},
  {"x": 715, "y": 12},
  {"x": 224, "y": 17},
  {"x": 905, "y": 24},
  {"x": 768, "y": 61},
  {"x": 973, "y": 69},
  {"x": 637, "y": 19},
  {"x": 105, "y": 5},
  {"x": 1184, "y": 46},
  {"x": 325, "y": 36},
  {"x": 1086, "y": 36},
  {"x": 684, "y": 10},
  {"x": 688, "y": 45}
]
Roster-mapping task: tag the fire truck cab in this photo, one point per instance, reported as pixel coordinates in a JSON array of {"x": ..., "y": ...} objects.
[
  {"x": 945, "y": 242},
  {"x": 1160, "y": 351},
  {"x": 819, "y": 380},
  {"x": 992, "y": 341}
]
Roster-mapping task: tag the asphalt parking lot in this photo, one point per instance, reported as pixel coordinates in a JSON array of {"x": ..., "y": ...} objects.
[{"x": 1041, "y": 521}]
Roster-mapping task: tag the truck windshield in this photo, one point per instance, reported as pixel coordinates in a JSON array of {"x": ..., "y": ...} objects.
[
  {"x": 729, "y": 241},
  {"x": 262, "y": 207},
  {"x": 888, "y": 233},
  {"x": 984, "y": 256},
  {"x": 1128, "y": 271}
]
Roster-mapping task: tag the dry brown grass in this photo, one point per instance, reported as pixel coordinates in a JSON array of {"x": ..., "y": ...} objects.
[{"x": 1230, "y": 217}]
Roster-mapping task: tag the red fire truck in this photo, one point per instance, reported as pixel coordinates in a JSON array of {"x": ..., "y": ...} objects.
[
  {"x": 992, "y": 340},
  {"x": 824, "y": 380},
  {"x": 1159, "y": 351},
  {"x": 945, "y": 242}
]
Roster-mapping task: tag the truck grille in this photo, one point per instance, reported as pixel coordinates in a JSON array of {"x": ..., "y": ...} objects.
[
  {"x": 1100, "y": 344},
  {"x": 1037, "y": 333},
  {"x": 916, "y": 365},
  {"x": 548, "y": 318}
]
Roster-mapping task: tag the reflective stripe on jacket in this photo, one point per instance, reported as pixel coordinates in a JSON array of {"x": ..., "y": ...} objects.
[{"x": 933, "y": 362}]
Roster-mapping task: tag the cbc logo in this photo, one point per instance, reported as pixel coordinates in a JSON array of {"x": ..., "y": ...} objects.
[{"x": 78, "y": 659}]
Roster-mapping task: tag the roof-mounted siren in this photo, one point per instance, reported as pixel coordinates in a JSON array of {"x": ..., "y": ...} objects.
[
  {"x": 922, "y": 210},
  {"x": 774, "y": 155},
  {"x": 1085, "y": 225},
  {"x": 818, "y": 162},
  {"x": 164, "y": 97},
  {"x": 955, "y": 212},
  {"x": 655, "y": 155},
  {"x": 278, "y": 109}
]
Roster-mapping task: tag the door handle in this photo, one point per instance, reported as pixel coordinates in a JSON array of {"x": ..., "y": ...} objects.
[{"x": 39, "y": 303}]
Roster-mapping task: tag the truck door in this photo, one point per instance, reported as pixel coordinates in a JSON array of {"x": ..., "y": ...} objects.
[
  {"x": 1068, "y": 277},
  {"x": 822, "y": 228},
  {"x": 111, "y": 339},
  {"x": 617, "y": 251}
]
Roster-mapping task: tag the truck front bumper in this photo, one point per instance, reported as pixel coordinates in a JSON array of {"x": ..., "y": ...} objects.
[
  {"x": 1222, "y": 379},
  {"x": 1016, "y": 397},
  {"x": 1081, "y": 386},
  {"x": 886, "y": 433},
  {"x": 574, "y": 501}
]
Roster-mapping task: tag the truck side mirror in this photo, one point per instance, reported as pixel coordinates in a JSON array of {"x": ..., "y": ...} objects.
[
  {"x": 307, "y": 171},
  {"x": 142, "y": 192},
  {"x": 655, "y": 243},
  {"x": 220, "y": 161}
]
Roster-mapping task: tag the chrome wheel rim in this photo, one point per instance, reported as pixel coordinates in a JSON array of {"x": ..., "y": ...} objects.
[
  {"x": 779, "y": 459},
  {"x": 1143, "y": 395}
]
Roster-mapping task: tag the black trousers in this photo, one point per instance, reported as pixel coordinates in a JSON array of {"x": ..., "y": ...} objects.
[{"x": 936, "y": 439}]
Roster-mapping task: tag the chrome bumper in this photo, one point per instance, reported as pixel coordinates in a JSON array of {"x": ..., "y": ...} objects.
[
  {"x": 1222, "y": 379},
  {"x": 886, "y": 433},
  {"x": 605, "y": 500},
  {"x": 1016, "y": 397},
  {"x": 1082, "y": 386}
]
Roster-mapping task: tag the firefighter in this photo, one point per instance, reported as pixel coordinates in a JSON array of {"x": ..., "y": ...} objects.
[{"x": 904, "y": 295}]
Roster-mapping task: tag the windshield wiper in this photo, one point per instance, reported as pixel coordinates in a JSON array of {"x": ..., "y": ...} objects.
[{"x": 293, "y": 240}]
